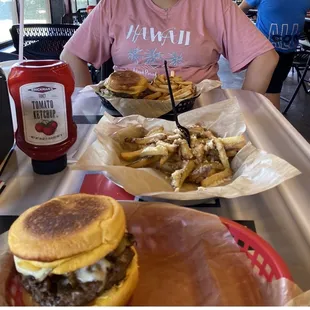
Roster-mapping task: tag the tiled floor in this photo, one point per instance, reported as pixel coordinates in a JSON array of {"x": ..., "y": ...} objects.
[{"x": 299, "y": 113}]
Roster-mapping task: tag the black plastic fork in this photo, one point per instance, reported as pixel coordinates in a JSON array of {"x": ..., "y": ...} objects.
[{"x": 184, "y": 131}]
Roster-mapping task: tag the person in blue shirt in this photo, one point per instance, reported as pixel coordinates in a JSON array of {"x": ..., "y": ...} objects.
[{"x": 282, "y": 22}]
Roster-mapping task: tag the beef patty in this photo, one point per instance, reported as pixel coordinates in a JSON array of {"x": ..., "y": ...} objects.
[{"x": 61, "y": 290}]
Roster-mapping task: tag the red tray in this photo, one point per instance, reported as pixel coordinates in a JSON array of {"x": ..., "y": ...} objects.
[
  {"x": 98, "y": 184},
  {"x": 264, "y": 259}
]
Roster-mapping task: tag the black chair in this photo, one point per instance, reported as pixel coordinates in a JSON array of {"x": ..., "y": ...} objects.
[
  {"x": 83, "y": 14},
  {"x": 72, "y": 19},
  {"x": 7, "y": 56},
  {"x": 43, "y": 41},
  {"x": 301, "y": 65},
  {"x": 106, "y": 69}
]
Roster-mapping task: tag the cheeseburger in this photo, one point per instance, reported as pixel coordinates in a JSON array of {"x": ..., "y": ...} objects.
[
  {"x": 126, "y": 84},
  {"x": 74, "y": 250}
]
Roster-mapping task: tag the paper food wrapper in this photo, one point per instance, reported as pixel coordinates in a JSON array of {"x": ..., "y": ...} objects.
[
  {"x": 186, "y": 258},
  {"x": 254, "y": 170},
  {"x": 148, "y": 108}
]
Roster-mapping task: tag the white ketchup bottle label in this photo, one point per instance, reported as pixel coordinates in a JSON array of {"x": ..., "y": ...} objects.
[{"x": 44, "y": 113}]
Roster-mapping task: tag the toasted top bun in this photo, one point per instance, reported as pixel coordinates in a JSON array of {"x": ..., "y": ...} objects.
[
  {"x": 127, "y": 82},
  {"x": 67, "y": 233}
]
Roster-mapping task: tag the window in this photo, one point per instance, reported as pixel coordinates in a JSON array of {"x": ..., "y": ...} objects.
[
  {"x": 36, "y": 11},
  {"x": 81, "y": 4},
  {"x": 8, "y": 16}
]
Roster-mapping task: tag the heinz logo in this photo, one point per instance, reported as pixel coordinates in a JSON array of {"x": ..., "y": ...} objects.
[{"x": 41, "y": 89}]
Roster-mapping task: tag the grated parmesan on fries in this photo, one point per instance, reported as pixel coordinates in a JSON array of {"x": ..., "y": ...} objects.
[{"x": 206, "y": 162}]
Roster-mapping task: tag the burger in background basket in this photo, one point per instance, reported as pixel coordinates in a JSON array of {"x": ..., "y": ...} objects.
[
  {"x": 129, "y": 84},
  {"x": 74, "y": 250},
  {"x": 125, "y": 84}
]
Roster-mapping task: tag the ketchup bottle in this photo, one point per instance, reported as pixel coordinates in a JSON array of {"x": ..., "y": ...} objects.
[{"x": 42, "y": 94}]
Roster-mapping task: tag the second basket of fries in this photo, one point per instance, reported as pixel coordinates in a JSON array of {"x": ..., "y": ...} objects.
[
  {"x": 150, "y": 158},
  {"x": 131, "y": 93}
]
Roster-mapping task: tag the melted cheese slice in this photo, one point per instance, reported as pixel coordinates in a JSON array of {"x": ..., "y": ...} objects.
[
  {"x": 27, "y": 269},
  {"x": 95, "y": 272}
]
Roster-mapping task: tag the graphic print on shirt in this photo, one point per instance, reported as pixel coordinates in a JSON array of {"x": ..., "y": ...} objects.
[
  {"x": 134, "y": 55},
  {"x": 153, "y": 58},
  {"x": 280, "y": 37}
]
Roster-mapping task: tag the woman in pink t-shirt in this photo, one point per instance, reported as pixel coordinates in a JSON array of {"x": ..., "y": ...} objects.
[{"x": 190, "y": 34}]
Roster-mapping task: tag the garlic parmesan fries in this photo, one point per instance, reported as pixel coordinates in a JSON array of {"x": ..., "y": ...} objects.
[{"x": 206, "y": 162}]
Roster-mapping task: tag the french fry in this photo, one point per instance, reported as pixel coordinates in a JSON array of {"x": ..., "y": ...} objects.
[
  {"x": 157, "y": 89},
  {"x": 233, "y": 142},
  {"x": 173, "y": 137},
  {"x": 169, "y": 167},
  {"x": 212, "y": 172},
  {"x": 173, "y": 87},
  {"x": 159, "y": 129},
  {"x": 154, "y": 150},
  {"x": 153, "y": 96},
  {"x": 200, "y": 173},
  {"x": 198, "y": 152},
  {"x": 237, "y": 146},
  {"x": 186, "y": 83},
  {"x": 148, "y": 140},
  {"x": 196, "y": 130},
  {"x": 222, "y": 154},
  {"x": 179, "y": 176},
  {"x": 144, "y": 162},
  {"x": 177, "y": 79},
  {"x": 217, "y": 166},
  {"x": 156, "y": 83},
  {"x": 161, "y": 78},
  {"x": 185, "y": 151},
  {"x": 217, "y": 179},
  {"x": 170, "y": 147},
  {"x": 148, "y": 151},
  {"x": 221, "y": 150},
  {"x": 183, "y": 95},
  {"x": 179, "y": 92},
  {"x": 231, "y": 153},
  {"x": 130, "y": 156}
]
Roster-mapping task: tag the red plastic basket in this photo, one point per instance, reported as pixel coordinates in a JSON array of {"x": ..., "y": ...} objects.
[{"x": 264, "y": 259}]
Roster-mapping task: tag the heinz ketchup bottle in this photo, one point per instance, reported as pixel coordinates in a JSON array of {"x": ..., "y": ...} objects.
[{"x": 42, "y": 94}]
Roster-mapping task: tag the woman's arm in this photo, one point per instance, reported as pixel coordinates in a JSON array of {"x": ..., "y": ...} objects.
[
  {"x": 79, "y": 68},
  {"x": 244, "y": 6},
  {"x": 260, "y": 71}
]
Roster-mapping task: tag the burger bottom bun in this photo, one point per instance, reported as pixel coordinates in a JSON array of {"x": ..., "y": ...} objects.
[{"x": 118, "y": 295}]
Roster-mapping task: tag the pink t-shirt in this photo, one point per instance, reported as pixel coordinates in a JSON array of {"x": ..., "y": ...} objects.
[{"x": 191, "y": 36}]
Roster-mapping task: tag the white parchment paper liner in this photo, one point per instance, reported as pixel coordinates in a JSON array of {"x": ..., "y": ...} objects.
[
  {"x": 187, "y": 258},
  {"x": 148, "y": 108},
  {"x": 254, "y": 170}
]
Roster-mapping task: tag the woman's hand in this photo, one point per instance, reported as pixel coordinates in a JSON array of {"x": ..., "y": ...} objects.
[
  {"x": 79, "y": 68},
  {"x": 260, "y": 71}
]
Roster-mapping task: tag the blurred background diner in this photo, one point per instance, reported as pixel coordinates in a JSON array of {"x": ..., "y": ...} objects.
[
  {"x": 50, "y": 24},
  {"x": 282, "y": 23}
]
